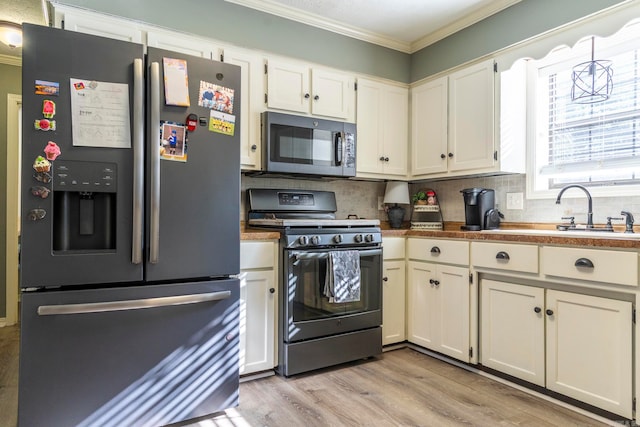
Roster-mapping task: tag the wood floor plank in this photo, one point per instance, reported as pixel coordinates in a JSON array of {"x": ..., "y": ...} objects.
[{"x": 400, "y": 388}]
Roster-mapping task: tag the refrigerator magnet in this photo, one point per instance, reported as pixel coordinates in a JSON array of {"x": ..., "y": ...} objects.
[
  {"x": 220, "y": 122},
  {"x": 43, "y": 177},
  {"x": 173, "y": 145},
  {"x": 192, "y": 122},
  {"x": 44, "y": 124},
  {"x": 48, "y": 109},
  {"x": 40, "y": 191},
  {"x": 52, "y": 151},
  {"x": 36, "y": 214},
  {"x": 43, "y": 87}
]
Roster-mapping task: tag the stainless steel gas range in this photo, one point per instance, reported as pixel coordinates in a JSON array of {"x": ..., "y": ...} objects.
[{"x": 330, "y": 305}]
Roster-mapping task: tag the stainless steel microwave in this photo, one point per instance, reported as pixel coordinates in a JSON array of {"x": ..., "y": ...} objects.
[{"x": 308, "y": 146}]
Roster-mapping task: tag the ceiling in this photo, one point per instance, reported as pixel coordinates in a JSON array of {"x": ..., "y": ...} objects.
[{"x": 404, "y": 25}]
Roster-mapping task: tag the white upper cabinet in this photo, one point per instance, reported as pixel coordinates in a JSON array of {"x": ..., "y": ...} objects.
[
  {"x": 382, "y": 130},
  {"x": 429, "y": 133},
  {"x": 182, "y": 43},
  {"x": 98, "y": 25},
  {"x": 453, "y": 126},
  {"x": 471, "y": 118},
  {"x": 252, "y": 105},
  {"x": 300, "y": 88}
]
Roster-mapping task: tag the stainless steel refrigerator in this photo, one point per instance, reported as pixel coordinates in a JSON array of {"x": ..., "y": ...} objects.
[{"x": 129, "y": 234}]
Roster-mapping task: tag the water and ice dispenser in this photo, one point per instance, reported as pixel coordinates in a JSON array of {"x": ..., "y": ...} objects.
[{"x": 84, "y": 206}]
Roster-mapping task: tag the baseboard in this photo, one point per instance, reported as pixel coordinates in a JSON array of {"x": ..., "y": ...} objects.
[{"x": 3, "y": 322}]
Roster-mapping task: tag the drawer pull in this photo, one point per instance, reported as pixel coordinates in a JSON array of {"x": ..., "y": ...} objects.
[
  {"x": 435, "y": 250},
  {"x": 502, "y": 256},
  {"x": 584, "y": 262},
  {"x": 537, "y": 309},
  {"x": 549, "y": 312}
]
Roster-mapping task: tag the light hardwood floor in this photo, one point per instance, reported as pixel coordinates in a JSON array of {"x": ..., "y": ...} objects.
[{"x": 401, "y": 388}]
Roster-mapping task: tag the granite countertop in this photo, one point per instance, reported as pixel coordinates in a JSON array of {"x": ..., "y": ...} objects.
[{"x": 452, "y": 231}]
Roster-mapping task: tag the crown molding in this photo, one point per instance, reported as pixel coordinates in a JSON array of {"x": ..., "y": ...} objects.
[
  {"x": 11, "y": 60},
  {"x": 467, "y": 21},
  {"x": 318, "y": 21}
]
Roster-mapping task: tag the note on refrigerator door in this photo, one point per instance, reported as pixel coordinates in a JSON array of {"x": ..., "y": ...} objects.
[
  {"x": 100, "y": 114},
  {"x": 176, "y": 82}
]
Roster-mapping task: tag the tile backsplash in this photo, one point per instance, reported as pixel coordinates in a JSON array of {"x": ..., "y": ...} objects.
[{"x": 361, "y": 198}]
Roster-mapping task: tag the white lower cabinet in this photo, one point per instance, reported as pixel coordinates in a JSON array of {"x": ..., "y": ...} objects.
[
  {"x": 574, "y": 344},
  {"x": 438, "y": 308},
  {"x": 393, "y": 291},
  {"x": 258, "y": 296}
]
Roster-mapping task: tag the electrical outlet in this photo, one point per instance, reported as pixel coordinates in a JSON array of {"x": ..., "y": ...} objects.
[
  {"x": 515, "y": 201},
  {"x": 380, "y": 203}
]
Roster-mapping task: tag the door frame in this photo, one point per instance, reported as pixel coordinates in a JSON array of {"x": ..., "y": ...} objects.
[{"x": 14, "y": 106}]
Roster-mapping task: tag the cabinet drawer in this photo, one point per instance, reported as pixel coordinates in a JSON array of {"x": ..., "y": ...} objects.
[
  {"x": 445, "y": 251},
  {"x": 393, "y": 248},
  {"x": 256, "y": 255},
  {"x": 598, "y": 265},
  {"x": 505, "y": 256}
]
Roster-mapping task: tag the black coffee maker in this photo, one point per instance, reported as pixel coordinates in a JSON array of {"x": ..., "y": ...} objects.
[{"x": 480, "y": 209}]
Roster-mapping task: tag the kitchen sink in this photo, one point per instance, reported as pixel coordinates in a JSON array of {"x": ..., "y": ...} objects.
[{"x": 567, "y": 233}]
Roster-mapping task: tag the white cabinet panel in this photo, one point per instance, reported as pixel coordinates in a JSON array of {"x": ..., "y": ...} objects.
[
  {"x": 393, "y": 302},
  {"x": 183, "y": 43},
  {"x": 512, "y": 330},
  {"x": 252, "y": 85},
  {"x": 589, "y": 350},
  {"x": 429, "y": 127}
]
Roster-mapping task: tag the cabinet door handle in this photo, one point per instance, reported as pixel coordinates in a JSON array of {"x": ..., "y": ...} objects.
[
  {"x": 272, "y": 290},
  {"x": 450, "y": 155},
  {"x": 254, "y": 147},
  {"x": 386, "y": 159},
  {"x": 502, "y": 256},
  {"x": 385, "y": 279},
  {"x": 435, "y": 250},
  {"x": 549, "y": 312},
  {"x": 316, "y": 97},
  {"x": 443, "y": 156},
  {"x": 584, "y": 262},
  {"x": 382, "y": 158},
  {"x": 537, "y": 309},
  {"x": 306, "y": 96},
  {"x": 436, "y": 282}
]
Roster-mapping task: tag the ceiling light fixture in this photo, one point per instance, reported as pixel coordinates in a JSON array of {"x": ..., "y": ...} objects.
[
  {"x": 592, "y": 80},
  {"x": 11, "y": 34}
]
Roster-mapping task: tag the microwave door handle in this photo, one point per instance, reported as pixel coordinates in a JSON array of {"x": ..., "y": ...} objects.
[{"x": 338, "y": 142}]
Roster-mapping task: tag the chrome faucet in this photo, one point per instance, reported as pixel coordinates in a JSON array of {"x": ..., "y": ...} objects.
[{"x": 590, "y": 209}]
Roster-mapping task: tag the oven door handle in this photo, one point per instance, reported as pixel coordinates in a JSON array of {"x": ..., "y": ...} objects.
[{"x": 320, "y": 253}]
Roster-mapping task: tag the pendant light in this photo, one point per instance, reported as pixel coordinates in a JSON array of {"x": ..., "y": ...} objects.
[{"x": 592, "y": 80}]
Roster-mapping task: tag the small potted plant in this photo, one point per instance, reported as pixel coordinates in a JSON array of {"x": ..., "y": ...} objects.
[{"x": 419, "y": 198}]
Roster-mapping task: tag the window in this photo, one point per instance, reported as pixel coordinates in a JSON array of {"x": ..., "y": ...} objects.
[{"x": 596, "y": 145}]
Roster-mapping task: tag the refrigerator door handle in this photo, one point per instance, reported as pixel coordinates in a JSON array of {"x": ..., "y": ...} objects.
[
  {"x": 138, "y": 160},
  {"x": 136, "y": 304},
  {"x": 154, "y": 151}
]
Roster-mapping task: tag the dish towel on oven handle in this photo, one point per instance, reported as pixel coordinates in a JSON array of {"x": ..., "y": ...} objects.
[{"x": 342, "y": 283}]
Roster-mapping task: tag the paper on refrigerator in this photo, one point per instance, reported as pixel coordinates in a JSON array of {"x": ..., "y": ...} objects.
[{"x": 100, "y": 114}]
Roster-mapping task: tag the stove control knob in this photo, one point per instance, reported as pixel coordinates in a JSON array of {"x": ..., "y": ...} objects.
[
  {"x": 337, "y": 238},
  {"x": 368, "y": 238},
  {"x": 303, "y": 240},
  {"x": 358, "y": 238},
  {"x": 315, "y": 240}
]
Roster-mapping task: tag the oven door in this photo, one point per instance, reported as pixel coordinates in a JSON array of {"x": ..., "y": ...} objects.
[{"x": 307, "y": 312}]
